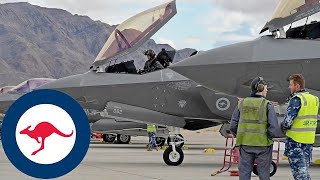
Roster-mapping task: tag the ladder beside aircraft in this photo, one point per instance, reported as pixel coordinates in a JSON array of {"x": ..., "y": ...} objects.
[{"x": 231, "y": 157}]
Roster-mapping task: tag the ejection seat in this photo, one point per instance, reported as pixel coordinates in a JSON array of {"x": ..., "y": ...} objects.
[{"x": 123, "y": 67}]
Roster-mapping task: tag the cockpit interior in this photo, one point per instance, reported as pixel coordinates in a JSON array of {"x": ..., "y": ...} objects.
[{"x": 307, "y": 31}]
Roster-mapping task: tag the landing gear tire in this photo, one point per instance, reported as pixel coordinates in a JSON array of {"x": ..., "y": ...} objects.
[
  {"x": 175, "y": 139},
  {"x": 123, "y": 139},
  {"x": 160, "y": 141},
  {"x": 273, "y": 169},
  {"x": 173, "y": 158},
  {"x": 109, "y": 138}
]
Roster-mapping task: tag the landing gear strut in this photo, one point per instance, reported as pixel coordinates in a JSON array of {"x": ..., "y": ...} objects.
[{"x": 178, "y": 139}]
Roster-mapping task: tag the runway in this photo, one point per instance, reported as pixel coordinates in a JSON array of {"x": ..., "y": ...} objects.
[{"x": 132, "y": 161}]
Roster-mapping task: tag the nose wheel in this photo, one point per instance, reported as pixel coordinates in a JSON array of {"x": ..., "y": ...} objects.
[{"x": 173, "y": 155}]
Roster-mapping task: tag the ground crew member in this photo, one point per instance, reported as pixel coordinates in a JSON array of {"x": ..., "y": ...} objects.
[
  {"x": 254, "y": 122},
  {"x": 151, "y": 64},
  {"x": 300, "y": 125},
  {"x": 152, "y": 129}
]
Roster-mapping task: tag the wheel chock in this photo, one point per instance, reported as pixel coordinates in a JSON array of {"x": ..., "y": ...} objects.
[
  {"x": 317, "y": 162},
  {"x": 234, "y": 173},
  {"x": 185, "y": 147},
  {"x": 210, "y": 151},
  {"x": 285, "y": 158},
  {"x": 164, "y": 147}
]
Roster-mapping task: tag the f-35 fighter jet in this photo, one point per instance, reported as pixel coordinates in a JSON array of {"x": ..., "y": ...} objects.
[
  {"x": 274, "y": 57},
  {"x": 162, "y": 97}
]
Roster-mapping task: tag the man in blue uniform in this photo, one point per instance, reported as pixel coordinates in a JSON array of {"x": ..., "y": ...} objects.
[{"x": 299, "y": 125}]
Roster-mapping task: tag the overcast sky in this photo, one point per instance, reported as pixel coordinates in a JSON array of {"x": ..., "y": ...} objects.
[{"x": 200, "y": 24}]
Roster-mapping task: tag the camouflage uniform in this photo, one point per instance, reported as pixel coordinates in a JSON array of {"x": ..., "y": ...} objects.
[
  {"x": 299, "y": 155},
  {"x": 151, "y": 129},
  {"x": 152, "y": 140}
]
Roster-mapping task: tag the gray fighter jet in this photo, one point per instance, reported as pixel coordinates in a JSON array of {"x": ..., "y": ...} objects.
[
  {"x": 273, "y": 57},
  {"x": 112, "y": 128},
  {"x": 162, "y": 97}
]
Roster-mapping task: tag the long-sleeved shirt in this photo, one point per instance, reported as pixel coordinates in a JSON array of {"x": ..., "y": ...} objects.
[
  {"x": 294, "y": 149},
  {"x": 273, "y": 126},
  {"x": 292, "y": 112}
]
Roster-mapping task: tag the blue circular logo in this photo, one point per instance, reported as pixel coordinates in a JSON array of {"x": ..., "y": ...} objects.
[{"x": 45, "y": 134}]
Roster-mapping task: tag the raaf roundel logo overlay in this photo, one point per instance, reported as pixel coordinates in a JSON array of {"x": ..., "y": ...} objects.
[
  {"x": 45, "y": 141},
  {"x": 45, "y": 134}
]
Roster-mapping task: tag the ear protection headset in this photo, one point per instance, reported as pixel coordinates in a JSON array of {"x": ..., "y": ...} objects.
[{"x": 259, "y": 86}]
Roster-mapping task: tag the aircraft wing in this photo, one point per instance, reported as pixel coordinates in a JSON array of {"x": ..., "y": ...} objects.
[{"x": 132, "y": 33}]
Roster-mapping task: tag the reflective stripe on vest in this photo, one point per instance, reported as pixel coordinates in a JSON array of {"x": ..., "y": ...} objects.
[
  {"x": 252, "y": 127},
  {"x": 304, "y": 125}
]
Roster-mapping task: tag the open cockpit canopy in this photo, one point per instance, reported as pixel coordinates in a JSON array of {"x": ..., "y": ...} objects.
[
  {"x": 132, "y": 33},
  {"x": 6, "y": 89},
  {"x": 29, "y": 85},
  {"x": 290, "y": 11}
]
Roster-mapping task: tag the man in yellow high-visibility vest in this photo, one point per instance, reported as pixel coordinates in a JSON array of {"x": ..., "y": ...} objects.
[
  {"x": 300, "y": 125},
  {"x": 255, "y": 123},
  {"x": 152, "y": 130}
]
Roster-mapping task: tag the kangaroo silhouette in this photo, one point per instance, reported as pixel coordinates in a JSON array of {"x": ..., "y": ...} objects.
[{"x": 43, "y": 130}]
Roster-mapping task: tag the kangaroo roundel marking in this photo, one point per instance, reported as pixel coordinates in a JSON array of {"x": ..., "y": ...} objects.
[
  {"x": 41, "y": 134},
  {"x": 45, "y": 140},
  {"x": 223, "y": 104}
]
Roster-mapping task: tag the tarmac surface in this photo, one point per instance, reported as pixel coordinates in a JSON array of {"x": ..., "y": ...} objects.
[{"x": 132, "y": 161}]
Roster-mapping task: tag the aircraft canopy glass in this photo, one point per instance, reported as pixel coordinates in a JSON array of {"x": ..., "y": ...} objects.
[
  {"x": 132, "y": 33},
  {"x": 287, "y": 7},
  {"x": 31, "y": 84},
  {"x": 289, "y": 11},
  {"x": 6, "y": 89}
]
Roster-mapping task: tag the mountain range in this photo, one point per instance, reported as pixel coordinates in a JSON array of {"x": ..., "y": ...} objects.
[{"x": 46, "y": 42}]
